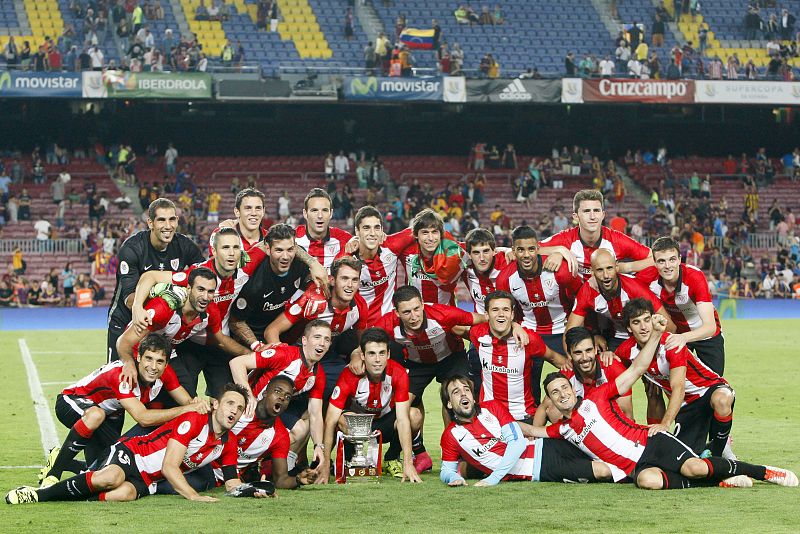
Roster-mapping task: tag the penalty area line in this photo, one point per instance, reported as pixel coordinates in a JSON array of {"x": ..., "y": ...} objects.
[{"x": 47, "y": 427}]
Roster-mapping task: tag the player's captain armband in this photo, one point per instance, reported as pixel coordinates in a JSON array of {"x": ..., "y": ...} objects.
[{"x": 174, "y": 296}]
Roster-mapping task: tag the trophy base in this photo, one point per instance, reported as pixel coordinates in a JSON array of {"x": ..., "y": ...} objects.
[{"x": 348, "y": 474}]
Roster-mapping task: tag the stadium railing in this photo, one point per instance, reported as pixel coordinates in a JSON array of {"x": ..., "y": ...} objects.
[
  {"x": 759, "y": 240},
  {"x": 41, "y": 246}
]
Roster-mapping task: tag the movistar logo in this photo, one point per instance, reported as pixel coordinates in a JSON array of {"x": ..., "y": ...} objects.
[
  {"x": 363, "y": 87},
  {"x": 5, "y": 80}
]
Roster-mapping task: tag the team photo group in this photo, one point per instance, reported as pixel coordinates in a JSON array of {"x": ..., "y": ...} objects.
[{"x": 297, "y": 331}]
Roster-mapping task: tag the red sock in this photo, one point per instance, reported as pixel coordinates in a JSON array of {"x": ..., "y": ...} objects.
[
  {"x": 83, "y": 430},
  {"x": 653, "y": 421},
  {"x": 89, "y": 475}
]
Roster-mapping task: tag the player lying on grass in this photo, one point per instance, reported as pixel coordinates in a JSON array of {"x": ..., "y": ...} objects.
[
  {"x": 488, "y": 438},
  {"x": 134, "y": 465},
  {"x": 381, "y": 390},
  {"x": 595, "y": 425},
  {"x": 264, "y": 437},
  {"x": 94, "y": 407}
]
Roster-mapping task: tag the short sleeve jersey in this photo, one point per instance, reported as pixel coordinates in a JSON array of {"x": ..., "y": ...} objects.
[
  {"x": 105, "y": 389},
  {"x": 365, "y": 396},
  {"x": 624, "y": 247},
  {"x": 435, "y": 340},
  {"x": 288, "y": 361}
]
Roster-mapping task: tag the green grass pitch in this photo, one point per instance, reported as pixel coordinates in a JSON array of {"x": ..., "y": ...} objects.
[{"x": 762, "y": 359}]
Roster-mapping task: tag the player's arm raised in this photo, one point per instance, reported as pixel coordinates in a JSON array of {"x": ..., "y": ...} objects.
[
  {"x": 171, "y": 470},
  {"x": 142, "y": 293},
  {"x": 632, "y": 374},
  {"x": 316, "y": 270},
  {"x": 404, "y": 433}
]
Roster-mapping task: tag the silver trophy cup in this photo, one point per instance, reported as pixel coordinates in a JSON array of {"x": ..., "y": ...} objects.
[{"x": 359, "y": 434}]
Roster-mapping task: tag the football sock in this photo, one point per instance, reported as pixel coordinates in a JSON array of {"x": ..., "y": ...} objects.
[
  {"x": 76, "y": 466},
  {"x": 674, "y": 480},
  {"x": 720, "y": 469},
  {"x": 417, "y": 446},
  {"x": 77, "y": 488},
  {"x": 719, "y": 432},
  {"x": 77, "y": 439}
]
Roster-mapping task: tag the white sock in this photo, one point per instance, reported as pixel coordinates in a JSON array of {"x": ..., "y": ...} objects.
[{"x": 291, "y": 460}]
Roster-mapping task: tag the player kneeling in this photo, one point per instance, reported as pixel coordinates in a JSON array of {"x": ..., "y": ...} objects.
[
  {"x": 661, "y": 461},
  {"x": 136, "y": 464},
  {"x": 383, "y": 391},
  {"x": 488, "y": 438}
]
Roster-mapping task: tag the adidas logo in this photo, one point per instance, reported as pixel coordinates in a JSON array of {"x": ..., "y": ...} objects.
[{"x": 515, "y": 91}]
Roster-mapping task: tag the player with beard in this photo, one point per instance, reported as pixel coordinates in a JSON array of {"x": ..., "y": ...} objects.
[
  {"x": 658, "y": 461},
  {"x": 158, "y": 248},
  {"x": 135, "y": 465},
  {"x": 488, "y": 438},
  {"x": 577, "y": 244},
  {"x": 589, "y": 370},
  {"x": 262, "y": 437},
  {"x": 316, "y": 236},
  {"x": 264, "y": 297},
  {"x": 605, "y": 296},
  {"x": 304, "y": 415},
  {"x": 94, "y": 407}
]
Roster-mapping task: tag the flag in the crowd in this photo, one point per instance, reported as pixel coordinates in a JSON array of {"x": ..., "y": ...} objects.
[
  {"x": 418, "y": 39},
  {"x": 446, "y": 264}
]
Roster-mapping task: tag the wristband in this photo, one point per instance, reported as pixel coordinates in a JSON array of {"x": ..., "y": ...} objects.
[{"x": 254, "y": 344}]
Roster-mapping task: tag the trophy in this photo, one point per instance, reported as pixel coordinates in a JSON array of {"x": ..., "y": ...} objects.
[{"x": 364, "y": 462}]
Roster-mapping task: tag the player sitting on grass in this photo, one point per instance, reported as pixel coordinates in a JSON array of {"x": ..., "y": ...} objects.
[
  {"x": 595, "y": 425},
  {"x": 134, "y": 465},
  {"x": 94, "y": 407}
]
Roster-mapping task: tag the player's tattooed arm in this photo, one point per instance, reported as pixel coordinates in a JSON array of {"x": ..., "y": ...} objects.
[
  {"x": 242, "y": 332},
  {"x": 317, "y": 271}
]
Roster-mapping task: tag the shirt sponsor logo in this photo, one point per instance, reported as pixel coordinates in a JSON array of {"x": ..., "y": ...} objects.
[{"x": 479, "y": 451}]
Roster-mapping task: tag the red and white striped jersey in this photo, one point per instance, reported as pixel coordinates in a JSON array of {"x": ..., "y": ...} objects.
[
  {"x": 603, "y": 374},
  {"x": 506, "y": 369},
  {"x": 192, "y": 430},
  {"x": 681, "y": 304},
  {"x": 600, "y": 429},
  {"x": 379, "y": 274},
  {"x": 433, "y": 290},
  {"x": 479, "y": 442},
  {"x": 288, "y": 361},
  {"x": 480, "y": 285},
  {"x": 624, "y": 247},
  {"x": 699, "y": 378},
  {"x": 262, "y": 231},
  {"x": 354, "y": 316},
  {"x": 545, "y": 299},
  {"x": 325, "y": 250},
  {"x": 255, "y": 441},
  {"x": 435, "y": 340},
  {"x": 361, "y": 395},
  {"x": 590, "y": 300},
  {"x": 171, "y": 324},
  {"x": 227, "y": 288},
  {"x": 104, "y": 388}
]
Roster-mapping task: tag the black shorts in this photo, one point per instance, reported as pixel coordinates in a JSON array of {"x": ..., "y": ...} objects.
[
  {"x": 558, "y": 461},
  {"x": 122, "y": 457},
  {"x": 114, "y": 331},
  {"x": 386, "y": 426},
  {"x": 711, "y": 352},
  {"x": 694, "y": 420},
  {"x": 614, "y": 342},
  {"x": 298, "y": 406},
  {"x": 422, "y": 374},
  {"x": 332, "y": 365},
  {"x": 196, "y": 358},
  {"x": 664, "y": 451},
  {"x": 554, "y": 341}
]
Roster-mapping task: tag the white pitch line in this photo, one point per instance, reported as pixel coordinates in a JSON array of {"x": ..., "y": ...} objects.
[
  {"x": 56, "y": 383},
  {"x": 20, "y": 466},
  {"x": 47, "y": 427},
  {"x": 60, "y": 352}
]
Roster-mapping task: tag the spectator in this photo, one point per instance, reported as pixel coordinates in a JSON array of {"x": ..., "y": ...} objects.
[
  {"x": 786, "y": 25},
  {"x": 509, "y": 160},
  {"x": 24, "y": 203},
  {"x": 341, "y": 165},
  {"x": 8, "y": 298},
  {"x": 623, "y": 55},
  {"x": 569, "y": 65},
  {"x": 273, "y": 16},
  {"x": 634, "y": 35},
  {"x": 18, "y": 262},
  {"x": 369, "y": 57},
  {"x": 348, "y": 24},
  {"x": 97, "y": 59},
  {"x": 34, "y": 294},
  {"x": 657, "y": 31},
  {"x": 606, "y": 67}
]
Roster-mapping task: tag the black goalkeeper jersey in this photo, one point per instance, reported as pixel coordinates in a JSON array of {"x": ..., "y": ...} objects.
[
  {"x": 136, "y": 256},
  {"x": 265, "y": 295}
]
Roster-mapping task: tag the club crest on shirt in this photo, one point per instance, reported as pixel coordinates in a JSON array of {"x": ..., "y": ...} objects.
[
  {"x": 175, "y": 263},
  {"x": 335, "y": 394},
  {"x": 123, "y": 267},
  {"x": 184, "y": 427}
]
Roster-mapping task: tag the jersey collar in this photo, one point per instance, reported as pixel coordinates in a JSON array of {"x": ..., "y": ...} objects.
[
  {"x": 538, "y": 270},
  {"x": 596, "y": 244},
  {"x": 678, "y": 284}
]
